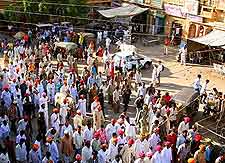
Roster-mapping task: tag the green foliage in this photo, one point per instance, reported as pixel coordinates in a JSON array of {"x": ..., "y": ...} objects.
[{"x": 42, "y": 7}]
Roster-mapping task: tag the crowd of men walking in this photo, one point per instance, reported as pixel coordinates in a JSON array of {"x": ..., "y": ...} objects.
[{"x": 36, "y": 127}]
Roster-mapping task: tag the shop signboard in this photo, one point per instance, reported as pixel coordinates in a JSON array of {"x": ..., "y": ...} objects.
[
  {"x": 174, "y": 10},
  {"x": 194, "y": 18},
  {"x": 157, "y": 3},
  {"x": 191, "y": 6}
]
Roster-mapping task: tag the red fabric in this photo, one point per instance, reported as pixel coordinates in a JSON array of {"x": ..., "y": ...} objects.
[
  {"x": 26, "y": 38},
  {"x": 100, "y": 52},
  {"x": 172, "y": 138},
  {"x": 167, "y": 42},
  {"x": 167, "y": 99}
]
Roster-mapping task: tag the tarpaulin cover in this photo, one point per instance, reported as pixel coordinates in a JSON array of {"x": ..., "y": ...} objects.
[
  {"x": 129, "y": 10},
  {"x": 214, "y": 38}
]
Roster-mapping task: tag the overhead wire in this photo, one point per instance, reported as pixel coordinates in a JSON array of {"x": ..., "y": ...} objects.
[
  {"x": 57, "y": 4},
  {"x": 88, "y": 29},
  {"x": 79, "y": 18}
]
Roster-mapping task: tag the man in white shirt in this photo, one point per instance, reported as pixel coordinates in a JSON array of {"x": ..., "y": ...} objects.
[
  {"x": 197, "y": 83},
  {"x": 102, "y": 157},
  {"x": 137, "y": 77},
  {"x": 184, "y": 125},
  {"x": 77, "y": 119},
  {"x": 203, "y": 90},
  {"x": 88, "y": 132},
  {"x": 107, "y": 42},
  {"x": 55, "y": 120},
  {"x": 183, "y": 54},
  {"x": 21, "y": 151},
  {"x": 78, "y": 140},
  {"x": 82, "y": 105},
  {"x": 167, "y": 153},
  {"x": 141, "y": 90},
  {"x": 116, "y": 100},
  {"x": 159, "y": 70},
  {"x": 110, "y": 129},
  {"x": 221, "y": 158},
  {"x": 86, "y": 152},
  {"x": 66, "y": 127}
]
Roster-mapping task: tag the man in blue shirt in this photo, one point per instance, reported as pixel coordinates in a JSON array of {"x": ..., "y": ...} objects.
[{"x": 208, "y": 153}]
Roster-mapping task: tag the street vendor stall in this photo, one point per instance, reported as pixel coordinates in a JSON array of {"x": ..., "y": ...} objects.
[
  {"x": 67, "y": 45},
  {"x": 65, "y": 48},
  {"x": 207, "y": 49}
]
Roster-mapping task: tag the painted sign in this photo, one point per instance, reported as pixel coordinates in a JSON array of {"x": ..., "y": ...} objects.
[
  {"x": 194, "y": 18},
  {"x": 174, "y": 10},
  {"x": 191, "y": 6}
]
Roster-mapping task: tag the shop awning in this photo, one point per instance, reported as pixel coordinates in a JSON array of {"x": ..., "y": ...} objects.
[
  {"x": 214, "y": 38},
  {"x": 125, "y": 11}
]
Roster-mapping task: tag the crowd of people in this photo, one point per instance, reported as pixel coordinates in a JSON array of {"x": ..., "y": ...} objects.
[{"x": 38, "y": 126}]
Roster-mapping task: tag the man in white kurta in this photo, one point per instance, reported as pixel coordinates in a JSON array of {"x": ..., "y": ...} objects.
[
  {"x": 113, "y": 150},
  {"x": 43, "y": 104},
  {"x": 77, "y": 119},
  {"x": 63, "y": 111},
  {"x": 110, "y": 129},
  {"x": 157, "y": 157},
  {"x": 140, "y": 145},
  {"x": 66, "y": 127},
  {"x": 88, "y": 133},
  {"x": 167, "y": 153},
  {"x": 78, "y": 139},
  {"x": 86, "y": 152},
  {"x": 184, "y": 125},
  {"x": 154, "y": 140},
  {"x": 51, "y": 91},
  {"x": 102, "y": 157},
  {"x": 53, "y": 149},
  {"x": 82, "y": 105},
  {"x": 55, "y": 120},
  {"x": 21, "y": 152}
]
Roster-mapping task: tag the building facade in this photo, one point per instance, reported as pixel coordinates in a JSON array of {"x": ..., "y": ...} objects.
[
  {"x": 155, "y": 17},
  {"x": 193, "y": 18}
]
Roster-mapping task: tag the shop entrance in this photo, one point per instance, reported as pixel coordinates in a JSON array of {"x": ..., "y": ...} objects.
[{"x": 176, "y": 33}]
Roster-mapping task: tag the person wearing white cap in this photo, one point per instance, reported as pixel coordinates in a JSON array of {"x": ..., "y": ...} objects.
[{"x": 77, "y": 119}]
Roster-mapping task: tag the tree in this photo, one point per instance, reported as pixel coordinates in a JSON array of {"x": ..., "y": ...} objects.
[{"x": 42, "y": 7}]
